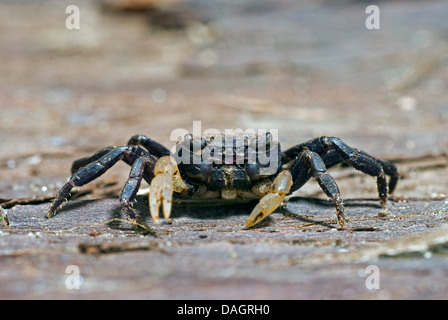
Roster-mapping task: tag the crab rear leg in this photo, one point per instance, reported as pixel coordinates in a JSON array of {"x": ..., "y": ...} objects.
[
  {"x": 167, "y": 179},
  {"x": 272, "y": 200},
  {"x": 103, "y": 160}
]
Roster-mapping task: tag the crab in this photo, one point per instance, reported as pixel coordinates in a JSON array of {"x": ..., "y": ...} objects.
[{"x": 227, "y": 167}]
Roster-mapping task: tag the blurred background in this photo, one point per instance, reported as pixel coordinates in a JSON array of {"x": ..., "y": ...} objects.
[{"x": 306, "y": 68}]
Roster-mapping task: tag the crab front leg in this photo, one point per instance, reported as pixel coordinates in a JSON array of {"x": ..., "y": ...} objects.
[
  {"x": 90, "y": 169},
  {"x": 130, "y": 189},
  {"x": 167, "y": 179},
  {"x": 272, "y": 200}
]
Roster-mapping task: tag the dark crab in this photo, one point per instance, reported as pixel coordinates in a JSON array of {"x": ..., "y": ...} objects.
[{"x": 227, "y": 167}]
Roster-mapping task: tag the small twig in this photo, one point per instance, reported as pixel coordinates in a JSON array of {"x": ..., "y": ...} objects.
[
  {"x": 143, "y": 227},
  {"x": 105, "y": 248},
  {"x": 9, "y": 203}
]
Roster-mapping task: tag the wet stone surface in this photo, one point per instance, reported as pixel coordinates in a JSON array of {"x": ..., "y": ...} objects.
[{"x": 201, "y": 255}]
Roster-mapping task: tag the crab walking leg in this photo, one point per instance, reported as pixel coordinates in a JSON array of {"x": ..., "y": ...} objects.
[
  {"x": 129, "y": 191},
  {"x": 167, "y": 179},
  {"x": 308, "y": 164},
  {"x": 272, "y": 200},
  {"x": 87, "y": 174}
]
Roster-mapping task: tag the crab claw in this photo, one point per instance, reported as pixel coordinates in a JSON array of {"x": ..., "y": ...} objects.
[
  {"x": 166, "y": 180},
  {"x": 161, "y": 192},
  {"x": 272, "y": 200}
]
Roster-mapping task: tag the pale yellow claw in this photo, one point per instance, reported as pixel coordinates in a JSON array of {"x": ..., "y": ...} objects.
[
  {"x": 167, "y": 179},
  {"x": 272, "y": 200}
]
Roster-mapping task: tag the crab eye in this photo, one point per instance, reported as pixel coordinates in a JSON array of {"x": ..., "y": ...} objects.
[
  {"x": 192, "y": 142},
  {"x": 268, "y": 138},
  {"x": 188, "y": 139},
  {"x": 203, "y": 143}
]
